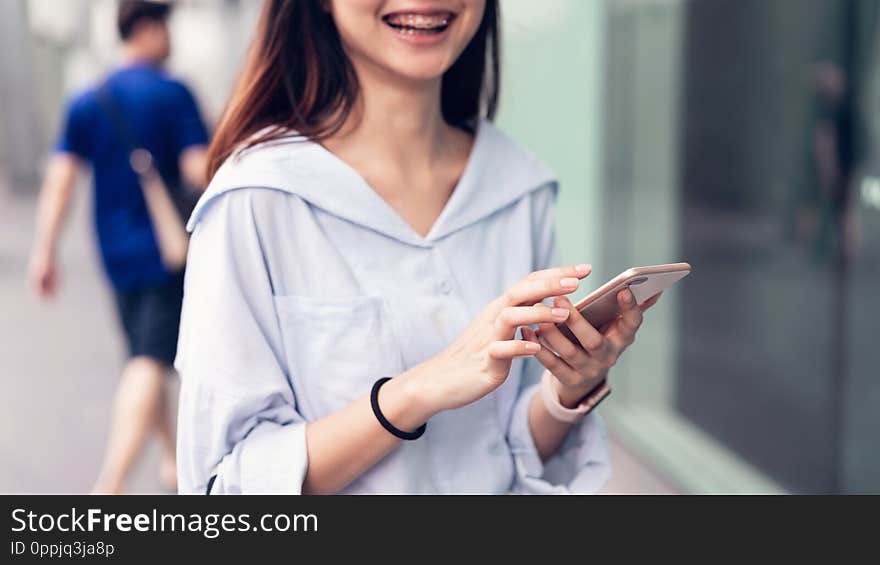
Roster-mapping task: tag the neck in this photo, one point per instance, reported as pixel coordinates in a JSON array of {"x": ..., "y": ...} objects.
[
  {"x": 399, "y": 121},
  {"x": 132, "y": 55}
]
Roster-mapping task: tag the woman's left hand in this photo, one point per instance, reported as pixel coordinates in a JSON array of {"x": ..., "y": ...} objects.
[{"x": 579, "y": 369}]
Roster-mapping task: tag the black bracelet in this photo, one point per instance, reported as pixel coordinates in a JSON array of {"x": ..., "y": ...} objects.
[{"x": 374, "y": 402}]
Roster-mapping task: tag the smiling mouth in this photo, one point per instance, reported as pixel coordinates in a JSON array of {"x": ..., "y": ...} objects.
[{"x": 419, "y": 24}]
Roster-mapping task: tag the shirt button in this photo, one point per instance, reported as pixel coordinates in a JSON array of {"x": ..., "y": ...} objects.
[
  {"x": 496, "y": 447},
  {"x": 445, "y": 286}
]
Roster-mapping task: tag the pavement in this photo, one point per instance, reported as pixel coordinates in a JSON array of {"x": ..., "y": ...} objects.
[{"x": 59, "y": 364}]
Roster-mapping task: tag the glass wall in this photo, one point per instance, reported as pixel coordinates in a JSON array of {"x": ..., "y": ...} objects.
[
  {"x": 740, "y": 137},
  {"x": 551, "y": 103}
]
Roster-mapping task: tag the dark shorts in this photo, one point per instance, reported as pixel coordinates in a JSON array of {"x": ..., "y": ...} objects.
[{"x": 151, "y": 319}]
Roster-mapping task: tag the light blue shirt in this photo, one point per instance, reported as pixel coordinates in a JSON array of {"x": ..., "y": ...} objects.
[{"x": 304, "y": 286}]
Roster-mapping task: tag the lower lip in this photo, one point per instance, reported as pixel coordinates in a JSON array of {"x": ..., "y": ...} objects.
[{"x": 421, "y": 39}]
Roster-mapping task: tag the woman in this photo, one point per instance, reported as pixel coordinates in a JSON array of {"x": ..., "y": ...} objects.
[{"x": 367, "y": 222}]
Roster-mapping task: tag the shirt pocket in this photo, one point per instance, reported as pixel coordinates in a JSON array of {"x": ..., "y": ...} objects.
[{"x": 336, "y": 348}]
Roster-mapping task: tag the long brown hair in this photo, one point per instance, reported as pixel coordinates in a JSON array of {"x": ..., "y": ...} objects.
[{"x": 298, "y": 77}]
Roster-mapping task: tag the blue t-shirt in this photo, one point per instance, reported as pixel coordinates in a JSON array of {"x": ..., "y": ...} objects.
[{"x": 161, "y": 115}]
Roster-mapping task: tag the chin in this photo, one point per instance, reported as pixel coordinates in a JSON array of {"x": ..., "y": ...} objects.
[{"x": 420, "y": 68}]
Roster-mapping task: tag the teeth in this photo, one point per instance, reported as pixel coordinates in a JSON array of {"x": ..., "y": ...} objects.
[{"x": 418, "y": 21}]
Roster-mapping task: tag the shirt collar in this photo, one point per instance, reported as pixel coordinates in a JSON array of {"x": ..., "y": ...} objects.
[{"x": 498, "y": 173}]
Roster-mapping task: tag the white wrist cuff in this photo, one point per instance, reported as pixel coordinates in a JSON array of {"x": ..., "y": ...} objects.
[{"x": 555, "y": 408}]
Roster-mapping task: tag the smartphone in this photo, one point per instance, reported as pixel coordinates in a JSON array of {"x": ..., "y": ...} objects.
[{"x": 601, "y": 306}]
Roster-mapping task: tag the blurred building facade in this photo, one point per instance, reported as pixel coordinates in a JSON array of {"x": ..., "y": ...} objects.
[
  {"x": 53, "y": 49},
  {"x": 742, "y": 137},
  {"x": 737, "y": 135}
]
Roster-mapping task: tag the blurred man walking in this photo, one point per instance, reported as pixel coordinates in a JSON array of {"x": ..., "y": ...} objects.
[{"x": 142, "y": 134}]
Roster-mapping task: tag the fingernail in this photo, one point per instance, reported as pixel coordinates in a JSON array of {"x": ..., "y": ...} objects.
[
  {"x": 569, "y": 282},
  {"x": 532, "y": 347},
  {"x": 583, "y": 268},
  {"x": 559, "y": 313},
  {"x": 628, "y": 297}
]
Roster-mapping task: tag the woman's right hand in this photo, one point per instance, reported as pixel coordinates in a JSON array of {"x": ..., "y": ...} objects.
[{"x": 479, "y": 361}]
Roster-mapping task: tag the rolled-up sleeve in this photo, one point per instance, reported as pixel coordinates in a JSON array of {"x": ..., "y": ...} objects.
[
  {"x": 581, "y": 464},
  {"x": 238, "y": 417}
]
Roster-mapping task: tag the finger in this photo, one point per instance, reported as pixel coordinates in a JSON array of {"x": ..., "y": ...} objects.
[
  {"x": 512, "y": 348},
  {"x": 543, "y": 284},
  {"x": 620, "y": 334},
  {"x": 529, "y": 334},
  {"x": 588, "y": 336},
  {"x": 651, "y": 301},
  {"x": 577, "y": 271},
  {"x": 512, "y": 317},
  {"x": 593, "y": 343},
  {"x": 560, "y": 369},
  {"x": 572, "y": 353},
  {"x": 567, "y": 374},
  {"x": 630, "y": 313},
  {"x": 618, "y": 338}
]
